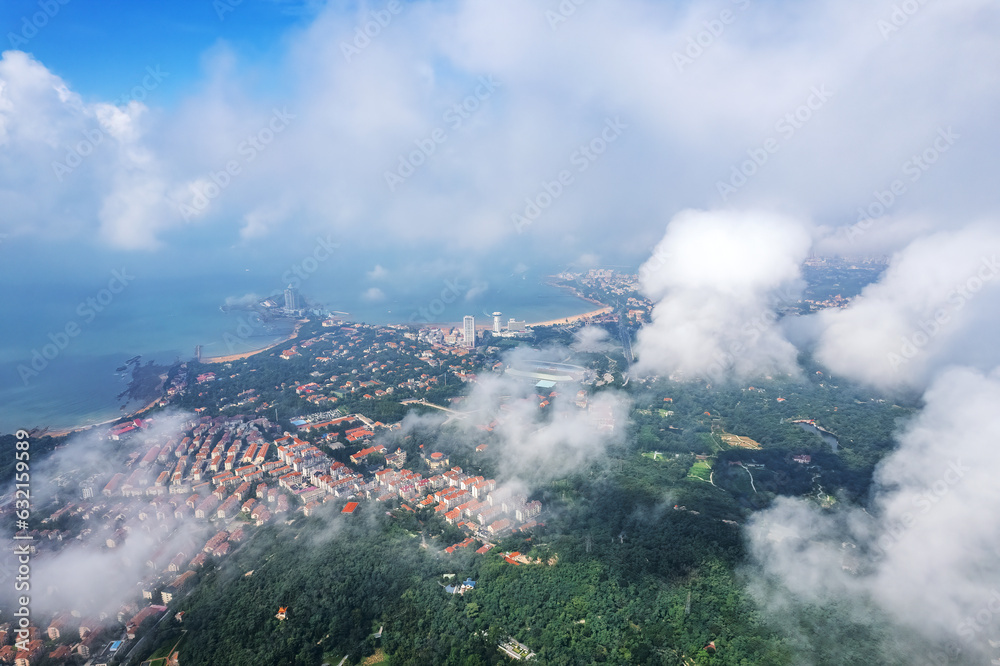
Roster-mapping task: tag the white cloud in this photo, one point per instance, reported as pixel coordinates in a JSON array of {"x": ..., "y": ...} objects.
[
  {"x": 591, "y": 339},
  {"x": 536, "y": 444},
  {"x": 69, "y": 167},
  {"x": 86, "y": 576},
  {"x": 354, "y": 121},
  {"x": 715, "y": 279},
  {"x": 929, "y": 309},
  {"x": 923, "y": 552}
]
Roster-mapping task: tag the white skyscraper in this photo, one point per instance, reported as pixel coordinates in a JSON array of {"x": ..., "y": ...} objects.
[
  {"x": 291, "y": 298},
  {"x": 469, "y": 329},
  {"x": 496, "y": 322}
]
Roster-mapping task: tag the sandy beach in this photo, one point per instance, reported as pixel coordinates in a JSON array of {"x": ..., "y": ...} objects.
[
  {"x": 603, "y": 309},
  {"x": 235, "y": 357},
  {"x": 583, "y": 316},
  {"x": 574, "y": 318}
]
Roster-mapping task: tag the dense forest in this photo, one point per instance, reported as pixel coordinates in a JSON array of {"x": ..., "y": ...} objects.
[
  {"x": 640, "y": 557},
  {"x": 638, "y": 561},
  {"x": 622, "y": 579}
]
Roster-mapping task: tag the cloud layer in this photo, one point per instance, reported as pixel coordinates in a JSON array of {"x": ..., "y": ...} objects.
[
  {"x": 716, "y": 279},
  {"x": 922, "y": 552},
  {"x": 930, "y": 308},
  {"x": 542, "y": 434},
  {"x": 480, "y": 109},
  {"x": 86, "y": 576}
]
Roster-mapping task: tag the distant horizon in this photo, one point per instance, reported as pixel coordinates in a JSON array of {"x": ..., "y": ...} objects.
[{"x": 800, "y": 194}]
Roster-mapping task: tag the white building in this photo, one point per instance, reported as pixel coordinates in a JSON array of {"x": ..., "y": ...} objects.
[{"x": 469, "y": 331}]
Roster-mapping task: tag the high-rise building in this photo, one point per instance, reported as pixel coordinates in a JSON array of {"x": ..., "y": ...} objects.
[
  {"x": 291, "y": 298},
  {"x": 496, "y": 322},
  {"x": 469, "y": 330}
]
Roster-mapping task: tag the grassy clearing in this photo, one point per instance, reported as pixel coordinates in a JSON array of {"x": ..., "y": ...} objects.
[{"x": 701, "y": 469}]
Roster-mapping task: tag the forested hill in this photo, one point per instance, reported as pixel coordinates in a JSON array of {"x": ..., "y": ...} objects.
[
  {"x": 622, "y": 579},
  {"x": 641, "y": 557}
]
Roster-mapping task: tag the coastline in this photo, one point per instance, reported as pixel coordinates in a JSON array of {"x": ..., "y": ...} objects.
[
  {"x": 603, "y": 308},
  {"x": 70, "y": 430},
  {"x": 63, "y": 432},
  {"x": 583, "y": 316},
  {"x": 572, "y": 319},
  {"x": 247, "y": 354}
]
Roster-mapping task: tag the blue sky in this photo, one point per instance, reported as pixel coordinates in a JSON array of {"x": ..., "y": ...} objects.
[
  {"x": 102, "y": 49},
  {"x": 424, "y": 146}
]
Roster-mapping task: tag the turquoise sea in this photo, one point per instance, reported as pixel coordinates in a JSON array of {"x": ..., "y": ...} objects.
[{"x": 73, "y": 379}]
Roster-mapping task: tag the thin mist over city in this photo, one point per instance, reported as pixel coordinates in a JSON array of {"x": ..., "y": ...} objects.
[{"x": 459, "y": 332}]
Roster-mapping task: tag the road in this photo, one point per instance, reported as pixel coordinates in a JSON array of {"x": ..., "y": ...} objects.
[
  {"x": 422, "y": 401},
  {"x": 625, "y": 337}
]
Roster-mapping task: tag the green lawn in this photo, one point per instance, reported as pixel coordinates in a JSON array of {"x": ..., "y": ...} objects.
[{"x": 702, "y": 469}]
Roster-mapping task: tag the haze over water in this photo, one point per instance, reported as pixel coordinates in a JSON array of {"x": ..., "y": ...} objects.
[{"x": 164, "y": 320}]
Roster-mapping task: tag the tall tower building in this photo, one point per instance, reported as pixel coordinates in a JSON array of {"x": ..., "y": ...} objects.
[
  {"x": 497, "y": 326},
  {"x": 469, "y": 330},
  {"x": 291, "y": 298}
]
